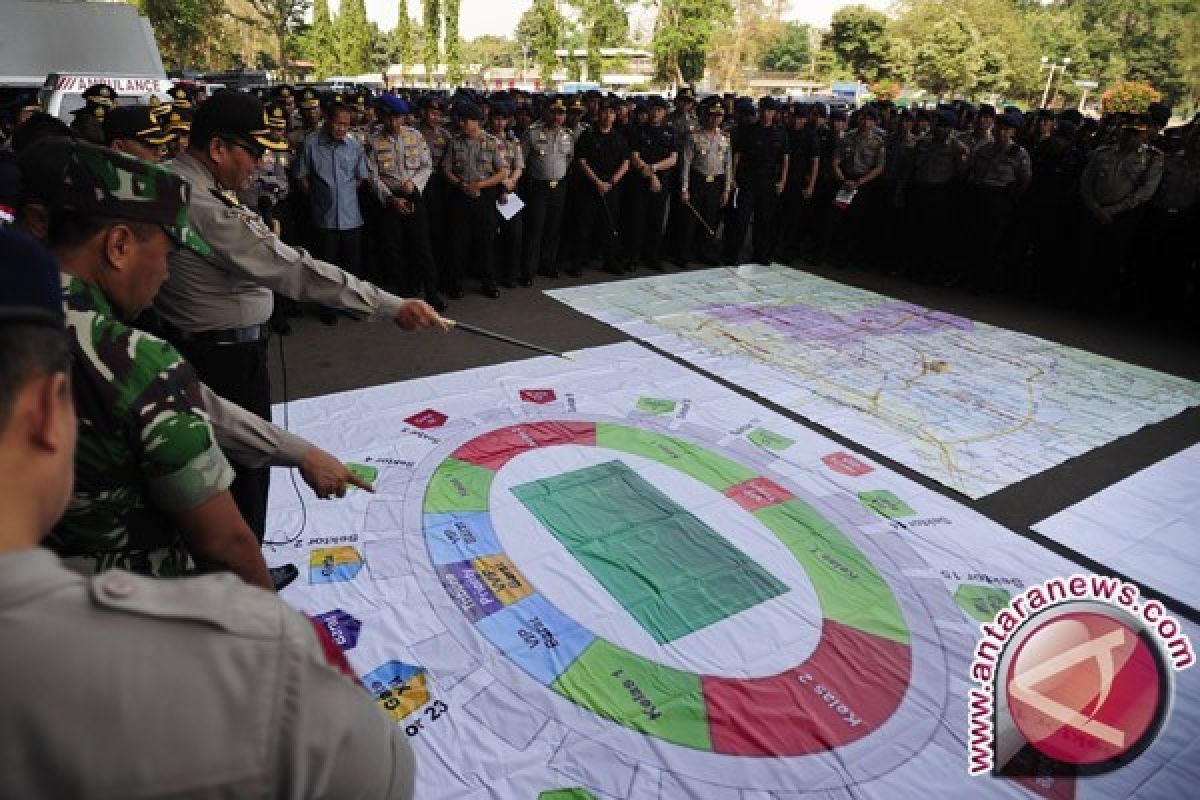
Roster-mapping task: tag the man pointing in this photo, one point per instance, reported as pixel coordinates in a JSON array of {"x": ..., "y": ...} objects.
[{"x": 217, "y": 300}]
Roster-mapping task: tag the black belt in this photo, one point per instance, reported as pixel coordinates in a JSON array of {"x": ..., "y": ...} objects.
[
  {"x": 551, "y": 184},
  {"x": 246, "y": 335}
]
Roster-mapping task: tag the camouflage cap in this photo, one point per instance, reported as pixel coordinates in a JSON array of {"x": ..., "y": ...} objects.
[{"x": 95, "y": 181}]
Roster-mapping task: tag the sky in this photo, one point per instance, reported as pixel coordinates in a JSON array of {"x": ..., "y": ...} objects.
[{"x": 478, "y": 17}]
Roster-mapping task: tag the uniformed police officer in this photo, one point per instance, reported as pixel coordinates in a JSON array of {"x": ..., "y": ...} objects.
[
  {"x": 437, "y": 193},
  {"x": 939, "y": 160},
  {"x": 510, "y": 232},
  {"x": 131, "y": 130},
  {"x": 655, "y": 153},
  {"x": 88, "y": 121},
  {"x": 705, "y": 166},
  {"x": 548, "y": 149},
  {"x": 603, "y": 156},
  {"x": 401, "y": 169},
  {"x": 998, "y": 173},
  {"x": 474, "y": 167},
  {"x": 217, "y": 298},
  {"x": 861, "y": 160},
  {"x": 760, "y": 166},
  {"x": 161, "y": 688}
]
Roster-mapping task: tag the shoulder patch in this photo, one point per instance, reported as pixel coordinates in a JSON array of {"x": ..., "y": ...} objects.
[{"x": 223, "y": 601}]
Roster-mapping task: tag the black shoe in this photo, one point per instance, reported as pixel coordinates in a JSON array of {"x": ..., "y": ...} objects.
[
  {"x": 456, "y": 293},
  {"x": 613, "y": 269},
  {"x": 573, "y": 272},
  {"x": 281, "y": 325},
  {"x": 656, "y": 265},
  {"x": 548, "y": 273},
  {"x": 328, "y": 317},
  {"x": 508, "y": 283},
  {"x": 525, "y": 281},
  {"x": 437, "y": 302},
  {"x": 282, "y": 576},
  {"x": 490, "y": 291}
]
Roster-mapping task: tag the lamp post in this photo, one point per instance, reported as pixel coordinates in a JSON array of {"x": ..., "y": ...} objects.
[
  {"x": 1061, "y": 69},
  {"x": 524, "y": 61}
]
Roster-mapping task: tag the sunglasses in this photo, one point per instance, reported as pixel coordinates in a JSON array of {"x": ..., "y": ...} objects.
[{"x": 255, "y": 151}]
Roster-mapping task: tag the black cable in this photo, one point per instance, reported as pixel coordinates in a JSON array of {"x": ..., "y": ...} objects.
[{"x": 291, "y": 472}]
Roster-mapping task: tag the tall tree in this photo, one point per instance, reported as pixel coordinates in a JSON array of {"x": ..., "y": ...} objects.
[
  {"x": 490, "y": 51},
  {"x": 755, "y": 23},
  {"x": 454, "y": 65},
  {"x": 431, "y": 24},
  {"x": 789, "y": 51},
  {"x": 602, "y": 23},
  {"x": 182, "y": 27},
  {"x": 279, "y": 18},
  {"x": 353, "y": 34},
  {"x": 402, "y": 36},
  {"x": 950, "y": 57},
  {"x": 860, "y": 38},
  {"x": 541, "y": 30},
  {"x": 321, "y": 44},
  {"x": 684, "y": 31}
]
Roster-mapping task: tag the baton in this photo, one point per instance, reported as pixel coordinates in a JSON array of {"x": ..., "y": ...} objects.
[
  {"x": 711, "y": 233},
  {"x": 500, "y": 337},
  {"x": 612, "y": 228}
]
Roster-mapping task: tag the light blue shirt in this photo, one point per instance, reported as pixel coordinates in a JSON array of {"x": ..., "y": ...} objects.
[{"x": 333, "y": 170}]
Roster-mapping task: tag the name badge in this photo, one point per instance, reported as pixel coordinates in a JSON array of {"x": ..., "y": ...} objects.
[
  {"x": 710, "y": 178},
  {"x": 553, "y": 184}
]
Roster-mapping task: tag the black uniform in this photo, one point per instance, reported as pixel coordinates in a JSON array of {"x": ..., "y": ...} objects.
[
  {"x": 604, "y": 154},
  {"x": 760, "y": 150},
  {"x": 647, "y": 208}
]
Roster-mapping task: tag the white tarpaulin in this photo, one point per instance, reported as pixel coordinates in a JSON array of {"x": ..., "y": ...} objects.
[
  {"x": 1147, "y": 526},
  {"x": 613, "y": 578},
  {"x": 970, "y": 405}
]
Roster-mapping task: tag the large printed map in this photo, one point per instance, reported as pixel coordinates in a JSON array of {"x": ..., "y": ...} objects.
[
  {"x": 614, "y": 579},
  {"x": 970, "y": 405}
]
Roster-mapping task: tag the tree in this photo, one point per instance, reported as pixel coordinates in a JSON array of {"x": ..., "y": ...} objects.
[
  {"x": 182, "y": 27},
  {"x": 431, "y": 53},
  {"x": 279, "y": 18},
  {"x": 790, "y": 51},
  {"x": 353, "y": 35},
  {"x": 490, "y": 51},
  {"x": 541, "y": 30},
  {"x": 1135, "y": 96},
  {"x": 320, "y": 46},
  {"x": 454, "y": 66},
  {"x": 950, "y": 57},
  {"x": 885, "y": 89},
  {"x": 860, "y": 38},
  {"x": 683, "y": 36},
  {"x": 755, "y": 23},
  {"x": 602, "y": 23},
  {"x": 402, "y": 37}
]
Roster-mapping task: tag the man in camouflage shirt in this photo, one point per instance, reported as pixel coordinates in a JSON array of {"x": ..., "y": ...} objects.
[{"x": 151, "y": 489}]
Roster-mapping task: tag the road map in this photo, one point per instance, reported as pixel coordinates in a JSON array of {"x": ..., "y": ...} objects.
[{"x": 970, "y": 405}]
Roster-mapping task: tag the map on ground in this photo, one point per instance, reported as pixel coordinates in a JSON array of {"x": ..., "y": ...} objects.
[
  {"x": 615, "y": 579},
  {"x": 970, "y": 405}
]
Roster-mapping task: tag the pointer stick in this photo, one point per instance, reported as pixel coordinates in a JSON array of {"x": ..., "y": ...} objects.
[{"x": 500, "y": 337}]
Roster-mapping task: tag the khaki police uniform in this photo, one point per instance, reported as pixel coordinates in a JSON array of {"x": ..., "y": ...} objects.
[
  {"x": 548, "y": 152},
  {"x": 218, "y": 297},
  {"x": 394, "y": 161},
  {"x": 121, "y": 686},
  {"x": 473, "y": 219},
  {"x": 707, "y": 163},
  {"x": 511, "y": 232}
]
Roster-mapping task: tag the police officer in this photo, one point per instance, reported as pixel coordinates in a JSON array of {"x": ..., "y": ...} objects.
[
  {"x": 131, "y": 130},
  {"x": 804, "y": 161},
  {"x": 655, "y": 153},
  {"x": 217, "y": 298},
  {"x": 683, "y": 119},
  {"x": 548, "y": 149},
  {"x": 510, "y": 232},
  {"x": 861, "y": 161},
  {"x": 88, "y": 121},
  {"x": 603, "y": 155},
  {"x": 220, "y": 679},
  {"x": 474, "y": 167},
  {"x": 705, "y": 167},
  {"x": 1117, "y": 183},
  {"x": 998, "y": 173},
  {"x": 437, "y": 193},
  {"x": 760, "y": 166},
  {"x": 401, "y": 170},
  {"x": 939, "y": 160}
]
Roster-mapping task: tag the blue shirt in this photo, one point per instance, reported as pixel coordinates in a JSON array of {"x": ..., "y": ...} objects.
[{"x": 333, "y": 170}]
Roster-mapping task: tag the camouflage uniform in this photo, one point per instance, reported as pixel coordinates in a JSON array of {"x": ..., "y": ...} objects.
[{"x": 146, "y": 447}]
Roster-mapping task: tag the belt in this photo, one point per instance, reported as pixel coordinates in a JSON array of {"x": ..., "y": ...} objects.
[
  {"x": 246, "y": 335},
  {"x": 551, "y": 184}
]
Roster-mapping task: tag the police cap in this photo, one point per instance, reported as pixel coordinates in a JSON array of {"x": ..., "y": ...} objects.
[
  {"x": 100, "y": 94},
  {"x": 133, "y": 122},
  {"x": 236, "y": 115},
  {"x": 30, "y": 292},
  {"x": 179, "y": 97},
  {"x": 391, "y": 104},
  {"x": 467, "y": 110}
]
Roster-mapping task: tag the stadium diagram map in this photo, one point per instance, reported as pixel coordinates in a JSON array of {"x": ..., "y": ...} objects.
[
  {"x": 969, "y": 405},
  {"x": 613, "y": 578}
]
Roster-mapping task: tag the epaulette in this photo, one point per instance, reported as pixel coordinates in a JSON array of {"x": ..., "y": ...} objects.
[{"x": 226, "y": 196}]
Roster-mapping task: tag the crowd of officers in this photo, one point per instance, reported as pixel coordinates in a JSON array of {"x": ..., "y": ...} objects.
[{"x": 1052, "y": 204}]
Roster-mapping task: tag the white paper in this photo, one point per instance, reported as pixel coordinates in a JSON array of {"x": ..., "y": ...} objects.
[
  {"x": 511, "y": 206},
  {"x": 972, "y": 406},
  {"x": 1146, "y": 526},
  {"x": 499, "y": 732}
]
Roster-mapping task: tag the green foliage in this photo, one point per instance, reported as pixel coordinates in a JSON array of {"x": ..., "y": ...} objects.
[
  {"x": 861, "y": 39},
  {"x": 886, "y": 89},
  {"x": 601, "y": 23},
  {"x": 1133, "y": 96},
  {"x": 790, "y": 51},
  {"x": 542, "y": 29},
  {"x": 683, "y": 36},
  {"x": 950, "y": 57},
  {"x": 181, "y": 27},
  {"x": 320, "y": 44},
  {"x": 280, "y": 18},
  {"x": 431, "y": 22},
  {"x": 353, "y": 35},
  {"x": 490, "y": 51},
  {"x": 402, "y": 36},
  {"x": 454, "y": 66}
]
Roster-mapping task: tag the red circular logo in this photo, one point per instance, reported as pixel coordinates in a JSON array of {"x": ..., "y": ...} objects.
[{"x": 1084, "y": 687}]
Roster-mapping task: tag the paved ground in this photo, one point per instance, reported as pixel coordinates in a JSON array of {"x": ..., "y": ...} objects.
[{"x": 321, "y": 360}]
